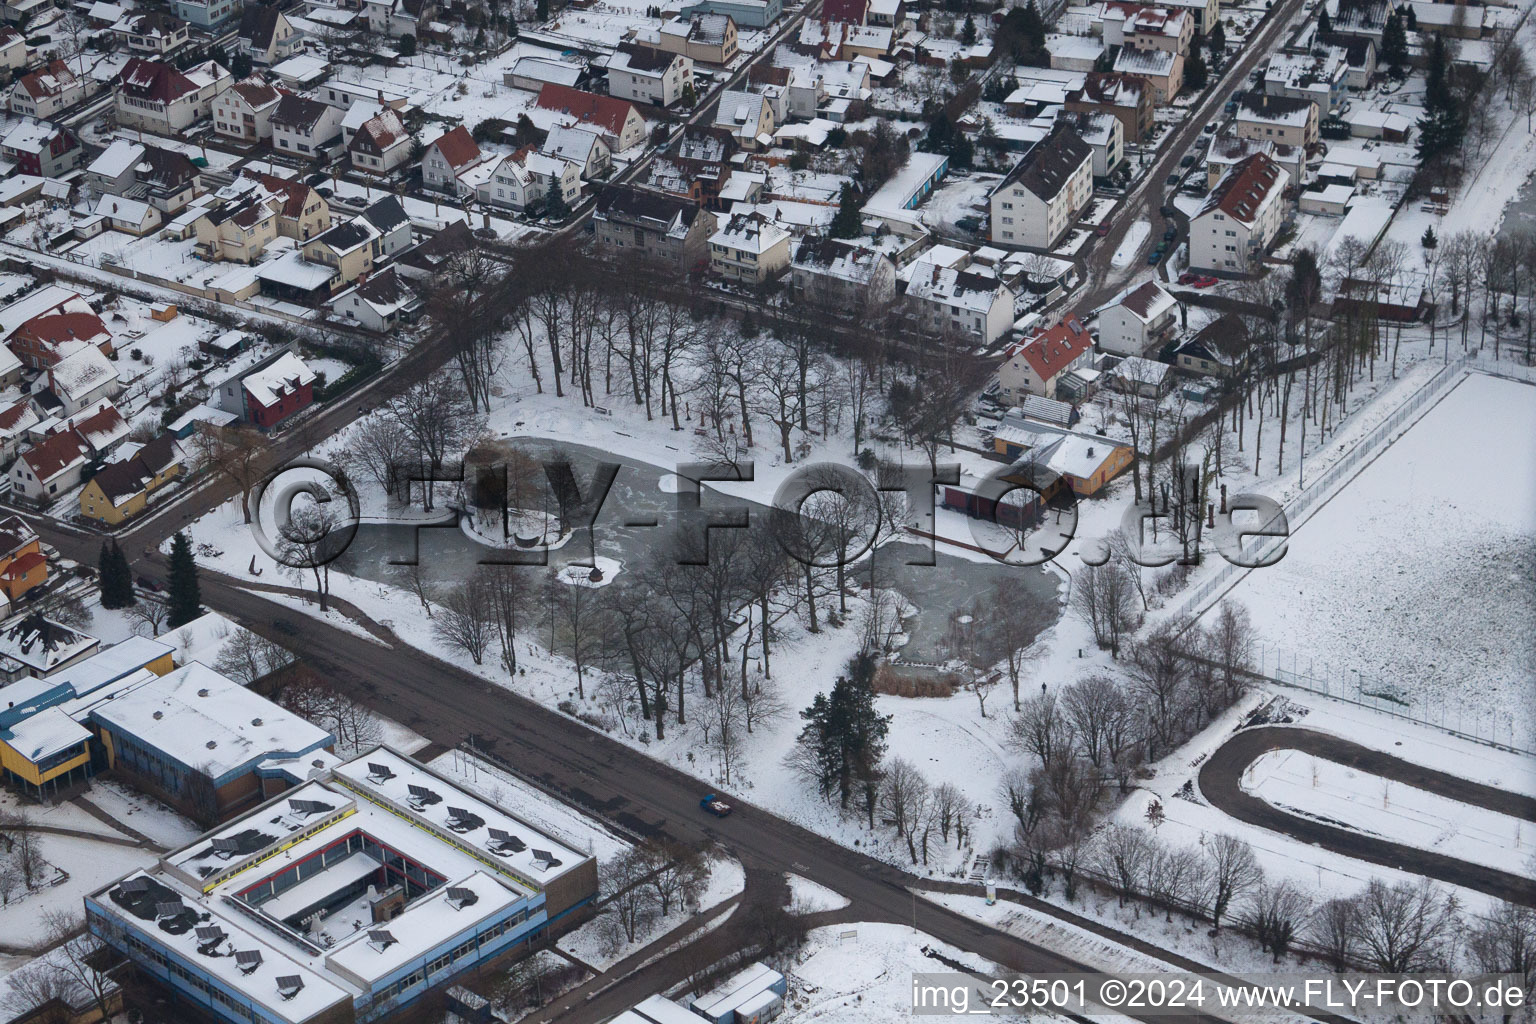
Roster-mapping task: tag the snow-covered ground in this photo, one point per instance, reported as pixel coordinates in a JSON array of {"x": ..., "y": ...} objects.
[
  {"x": 142, "y": 813},
  {"x": 808, "y": 897},
  {"x": 1416, "y": 577},
  {"x": 1344, "y": 797},
  {"x": 1131, "y": 245},
  {"x": 862, "y": 974}
]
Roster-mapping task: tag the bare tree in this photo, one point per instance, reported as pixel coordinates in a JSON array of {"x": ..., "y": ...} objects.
[
  {"x": 1503, "y": 941},
  {"x": 508, "y": 594},
  {"x": 150, "y": 615},
  {"x": 1101, "y": 594},
  {"x": 308, "y": 540},
  {"x": 1406, "y": 927},
  {"x": 676, "y": 873},
  {"x": 579, "y": 624},
  {"x": 1098, "y": 713},
  {"x": 629, "y": 902},
  {"x": 1041, "y": 727},
  {"x": 410, "y": 577},
  {"x": 377, "y": 447},
  {"x": 238, "y": 454},
  {"x": 1123, "y": 854},
  {"x": 903, "y": 799},
  {"x": 1275, "y": 914},
  {"x": 1235, "y": 872},
  {"x": 465, "y": 620},
  {"x": 246, "y": 657},
  {"x": 1333, "y": 929},
  {"x": 439, "y": 419},
  {"x": 1017, "y": 788},
  {"x": 1018, "y": 623},
  {"x": 1178, "y": 877}
]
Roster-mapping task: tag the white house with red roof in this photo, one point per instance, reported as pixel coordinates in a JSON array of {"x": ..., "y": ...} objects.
[
  {"x": 154, "y": 95},
  {"x": 15, "y": 420},
  {"x": 1141, "y": 318},
  {"x": 1036, "y": 366},
  {"x": 1240, "y": 218},
  {"x": 381, "y": 143},
  {"x": 13, "y": 48},
  {"x": 50, "y": 468},
  {"x": 243, "y": 112},
  {"x": 447, "y": 158},
  {"x": 616, "y": 120},
  {"x": 46, "y": 91}
]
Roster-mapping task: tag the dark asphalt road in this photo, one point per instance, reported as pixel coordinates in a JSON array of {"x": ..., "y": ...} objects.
[{"x": 1220, "y": 781}]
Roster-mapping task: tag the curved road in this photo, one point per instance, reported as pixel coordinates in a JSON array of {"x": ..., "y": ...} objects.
[{"x": 1220, "y": 782}]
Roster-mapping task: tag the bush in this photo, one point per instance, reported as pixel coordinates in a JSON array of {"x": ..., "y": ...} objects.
[{"x": 799, "y": 161}]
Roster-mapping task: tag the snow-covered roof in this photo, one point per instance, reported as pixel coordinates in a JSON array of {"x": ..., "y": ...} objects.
[
  {"x": 948, "y": 286},
  {"x": 29, "y": 136},
  {"x": 203, "y": 720},
  {"x": 44, "y": 734},
  {"x": 80, "y": 372},
  {"x": 108, "y": 666},
  {"x": 1137, "y": 370},
  {"x": 753, "y": 233},
  {"x": 1146, "y": 302},
  {"x": 542, "y": 69},
  {"x": 270, "y": 383},
  {"x": 292, "y": 269},
  {"x": 42, "y": 645},
  {"x": 117, "y": 158}
]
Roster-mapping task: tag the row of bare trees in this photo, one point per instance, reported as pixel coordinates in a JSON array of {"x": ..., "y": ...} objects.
[{"x": 645, "y": 884}]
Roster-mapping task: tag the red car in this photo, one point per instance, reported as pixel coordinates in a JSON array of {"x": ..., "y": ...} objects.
[
  {"x": 1196, "y": 280},
  {"x": 1103, "y": 229}
]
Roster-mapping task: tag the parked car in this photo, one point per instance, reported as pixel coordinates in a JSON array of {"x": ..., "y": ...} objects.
[
  {"x": 1102, "y": 229},
  {"x": 1173, "y": 179},
  {"x": 149, "y": 584},
  {"x": 285, "y": 627},
  {"x": 1194, "y": 280},
  {"x": 714, "y": 805},
  {"x": 1155, "y": 256},
  {"x": 1188, "y": 161},
  {"x": 1210, "y": 129},
  {"x": 1170, "y": 233}
]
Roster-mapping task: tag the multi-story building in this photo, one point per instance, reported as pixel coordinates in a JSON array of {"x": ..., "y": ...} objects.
[
  {"x": 960, "y": 301},
  {"x": 158, "y": 97},
  {"x": 657, "y": 227},
  {"x": 703, "y": 38},
  {"x": 750, "y": 248},
  {"x": 1127, "y": 97},
  {"x": 243, "y": 112},
  {"x": 344, "y": 899},
  {"x": 842, "y": 275},
  {"x": 1040, "y": 198},
  {"x": 1161, "y": 70},
  {"x": 1285, "y": 120},
  {"x": 1139, "y": 320},
  {"x": 46, "y": 91},
  {"x": 1037, "y": 366},
  {"x": 648, "y": 75},
  {"x": 41, "y": 148},
  {"x": 303, "y": 126},
  {"x": 381, "y": 144},
  {"x": 1240, "y": 218}
]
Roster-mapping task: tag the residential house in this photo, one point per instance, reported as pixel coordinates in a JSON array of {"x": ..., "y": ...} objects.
[
  {"x": 1363, "y": 19},
  {"x": 302, "y": 212},
  {"x": 391, "y": 223},
  {"x": 1037, "y": 366},
  {"x": 396, "y": 18},
  {"x": 112, "y": 173},
  {"x": 13, "y": 49},
  {"x": 381, "y": 303},
  {"x": 428, "y": 259},
  {"x": 82, "y": 377},
  {"x": 747, "y": 116},
  {"x": 750, "y": 248},
  {"x": 347, "y": 95},
  {"x": 266, "y": 35},
  {"x": 46, "y": 91},
  {"x": 1161, "y": 70},
  {"x": 22, "y": 562},
  {"x": 121, "y": 489},
  {"x": 1040, "y": 198},
  {"x": 615, "y": 119},
  {"x": 381, "y": 144},
  {"x": 41, "y": 148},
  {"x": 961, "y": 301},
  {"x": 153, "y": 32},
  {"x": 1105, "y": 135},
  {"x": 1128, "y": 97},
  {"x": 130, "y": 216},
  {"x": 646, "y": 75},
  {"x": 523, "y": 180},
  {"x": 303, "y": 126},
  {"x": 350, "y": 249},
  {"x": 100, "y": 427},
  {"x": 49, "y": 468},
  {"x": 1083, "y": 462},
  {"x": 16, "y": 419},
  {"x": 266, "y": 396},
  {"x": 243, "y": 112},
  {"x": 1218, "y": 350},
  {"x": 1159, "y": 28},
  {"x": 1240, "y": 218},
  {"x": 662, "y": 229},
  {"x": 239, "y": 230},
  {"x": 844, "y": 275},
  {"x": 843, "y": 41},
  {"x": 167, "y": 178},
  {"x": 1113, "y": 16},
  {"x": 208, "y": 15},
  {"x": 1319, "y": 74},
  {"x": 585, "y": 149},
  {"x": 447, "y": 158},
  {"x": 1204, "y": 12},
  {"x": 1227, "y": 150},
  {"x": 1138, "y": 321},
  {"x": 1284, "y": 120},
  {"x": 702, "y": 38},
  {"x": 48, "y": 337},
  {"x": 158, "y": 97}
]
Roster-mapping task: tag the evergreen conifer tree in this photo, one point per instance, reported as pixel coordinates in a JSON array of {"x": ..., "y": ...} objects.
[{"x": 185, "y": 597}]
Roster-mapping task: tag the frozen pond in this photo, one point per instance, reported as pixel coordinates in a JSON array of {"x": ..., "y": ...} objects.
[{"x": 640, "y": 494}]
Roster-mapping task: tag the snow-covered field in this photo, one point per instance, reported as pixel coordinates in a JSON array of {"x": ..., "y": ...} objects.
[
  {"x": 1418, "y": 573},
  {"x": 1334, "y": 793},
  {"x": 1131, "y": 245}
]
